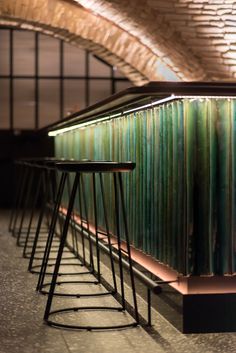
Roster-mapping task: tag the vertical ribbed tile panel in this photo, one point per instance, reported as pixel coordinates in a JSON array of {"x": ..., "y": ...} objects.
[{"x": 181, "y": 196}]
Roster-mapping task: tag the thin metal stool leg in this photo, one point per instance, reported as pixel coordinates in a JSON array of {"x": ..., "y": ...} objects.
[
  {"x": 36, "y": 197},
  {"x": 91, "y": 261},
  {"x": 117, "y": 218},
  {"x": 108, "y": 233},
  {"x": 26, "y": 204},
  {"x": 20, "y": 173},
  {"x": 98, "y": 274},
  {"x": 83, "y": 257},
  {"x": 61, "y": 247},
  {"x": 39, "y": 224},
  {"x": 20, "y": 202},
  {"x": 51, "y": 232},
  {"x": 73, "y": 237},
  {"x": 128, "y": 247}
]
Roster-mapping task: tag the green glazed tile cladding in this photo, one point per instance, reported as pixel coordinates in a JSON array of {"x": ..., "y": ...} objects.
[{"x": 181, "y": 196}]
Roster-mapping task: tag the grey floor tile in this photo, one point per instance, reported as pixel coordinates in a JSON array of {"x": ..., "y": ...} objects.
[{"x": 21, "y": 318}]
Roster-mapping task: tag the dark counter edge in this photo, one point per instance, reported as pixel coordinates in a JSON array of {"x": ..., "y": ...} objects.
[{"x": 134, "y": 97}]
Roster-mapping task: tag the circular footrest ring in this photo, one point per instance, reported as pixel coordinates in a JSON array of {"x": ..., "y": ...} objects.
[
  {"x": 54, "y": 258},
  {"x": 88, "y": 327},
  {"x": 60, "y": 273},
  {"x": 75, "y": 295},
  {"x": 28, "y": 256}
]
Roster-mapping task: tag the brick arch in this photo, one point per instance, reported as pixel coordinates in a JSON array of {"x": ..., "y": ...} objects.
[
  {"x": 78, "y": 26},
  {"x": 196, "y": 38},
  {"x": 155, "y": 23}
]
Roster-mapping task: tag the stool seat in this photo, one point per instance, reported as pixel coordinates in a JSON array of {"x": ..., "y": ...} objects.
[
  {"x": 95, "y": 166},
  {"x": 46, "y": 161},
  {"x": 51, "y": 163},
  {"x": 34, "y": 162}
]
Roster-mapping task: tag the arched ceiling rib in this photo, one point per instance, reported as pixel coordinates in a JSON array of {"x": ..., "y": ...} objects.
[
  {"x": 80, "y": 27},
  {"x": 195, "y": 37}
]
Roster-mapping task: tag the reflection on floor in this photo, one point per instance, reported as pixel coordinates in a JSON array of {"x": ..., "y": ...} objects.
[{"x": 22, "y": 329}]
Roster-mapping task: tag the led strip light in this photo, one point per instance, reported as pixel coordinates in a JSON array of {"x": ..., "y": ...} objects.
[
  {"x": 108, "y": 117},
  {"x": 82, "y": 125}
]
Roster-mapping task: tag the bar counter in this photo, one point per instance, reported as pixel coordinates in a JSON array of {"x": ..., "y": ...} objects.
[{"x": 181, "y": 197}]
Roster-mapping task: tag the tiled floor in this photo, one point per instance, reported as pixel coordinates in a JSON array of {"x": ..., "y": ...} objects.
[{"x": 22, "y": 329}]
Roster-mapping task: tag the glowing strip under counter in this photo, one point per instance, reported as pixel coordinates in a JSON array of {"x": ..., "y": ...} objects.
[
  {"x": 183, "y": 284},
  {"x": 149, "y": 105},
  {"x": 82, "y": 125}
]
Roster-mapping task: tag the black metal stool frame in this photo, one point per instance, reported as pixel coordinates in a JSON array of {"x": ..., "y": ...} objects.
[
  {"x": 45, "y": 178},
  {"x": 90, "y": 268},
  {"x": 21, "y": 170},
  {"x": 117, "y": 187}
]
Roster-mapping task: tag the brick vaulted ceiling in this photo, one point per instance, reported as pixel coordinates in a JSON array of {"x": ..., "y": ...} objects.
[{"x": 196, "y": 39}]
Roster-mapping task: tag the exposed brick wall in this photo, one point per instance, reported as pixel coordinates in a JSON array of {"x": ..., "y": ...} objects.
[
  {"x": 146, "y": 20},
  {"x": 195, "y": 38}
]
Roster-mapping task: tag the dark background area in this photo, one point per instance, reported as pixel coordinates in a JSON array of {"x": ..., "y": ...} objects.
[{"x": 14, "y": 145}]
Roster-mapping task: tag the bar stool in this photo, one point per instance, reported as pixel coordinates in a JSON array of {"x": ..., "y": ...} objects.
[
  {"x": 22, "y": 200},
  {"x": 33, "y": 185},
  {"x": 29, "y": 195},
  {"x": 48, "y": 185},
  {"x": 39, "y": 188},
  {"x": 95, "y": 171},
  {"x": 58, "y": 214},
  {"x": 17, "y": 202},
  {"x": 43, "y": 186}
]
